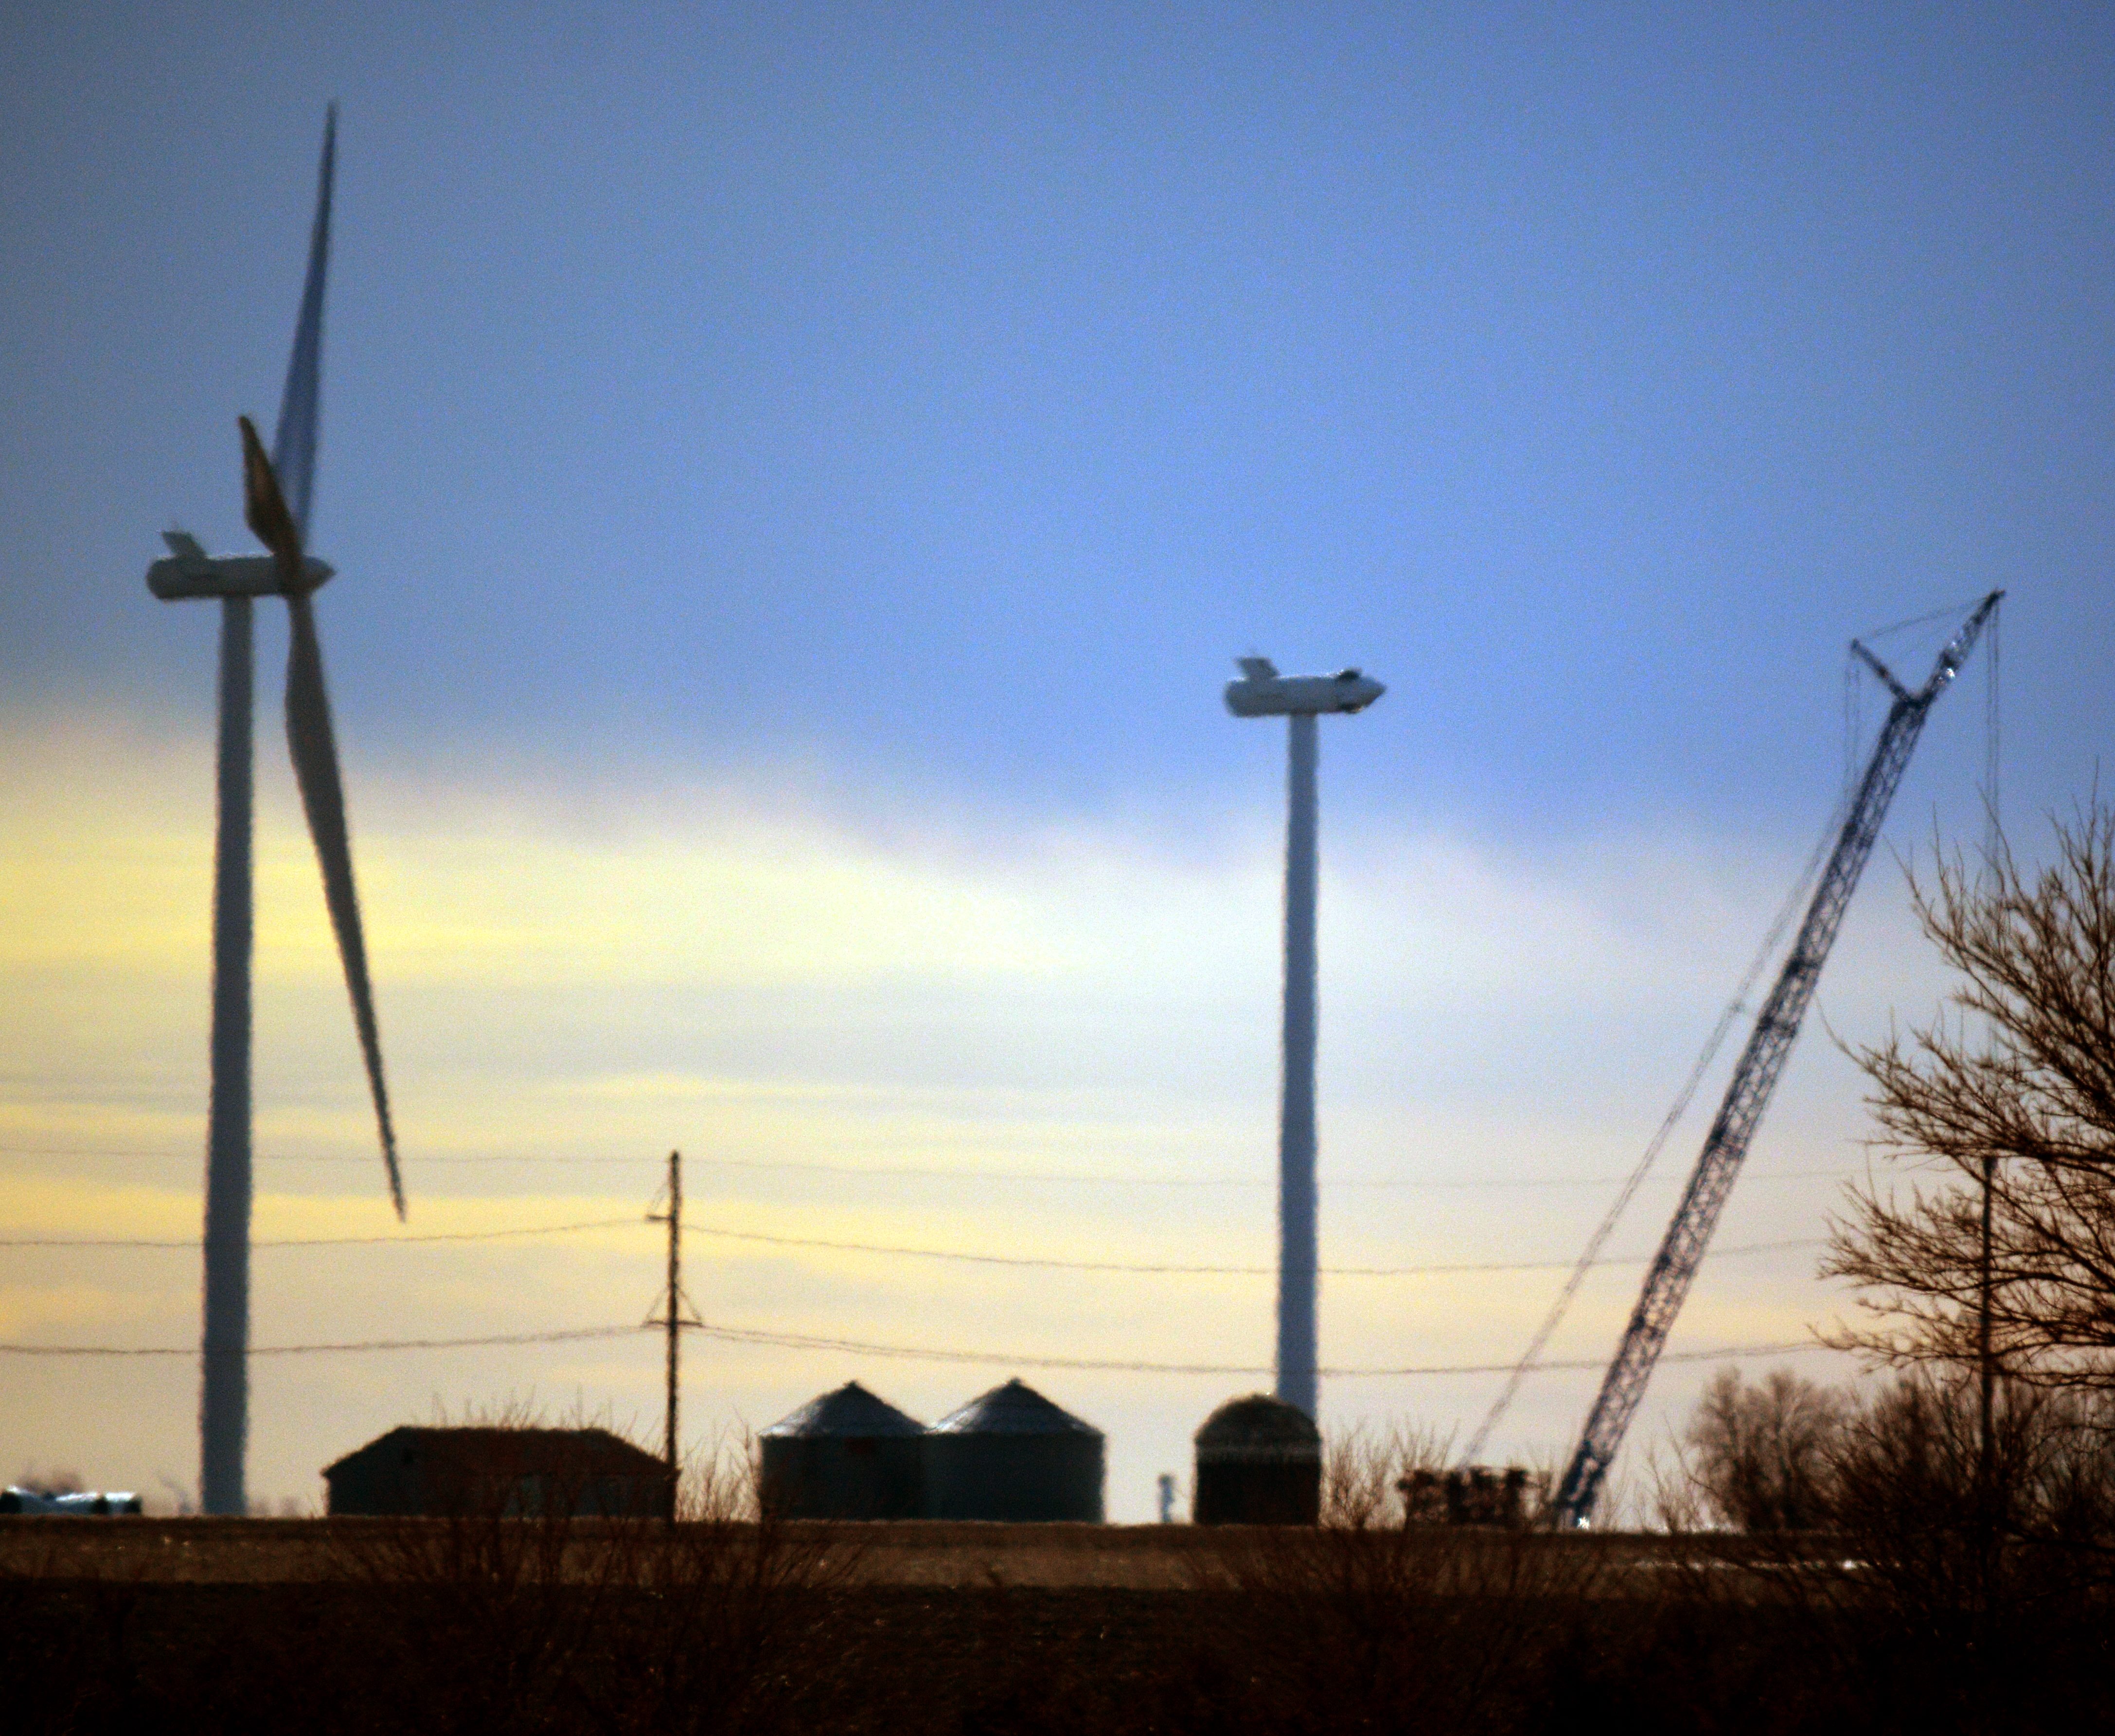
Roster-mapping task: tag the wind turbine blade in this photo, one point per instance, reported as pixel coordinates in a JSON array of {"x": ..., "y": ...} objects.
[
  {"x": 294, "y": 446},
  {"x": 322, "y": 795},
  {"x": 265, "y": 507}
]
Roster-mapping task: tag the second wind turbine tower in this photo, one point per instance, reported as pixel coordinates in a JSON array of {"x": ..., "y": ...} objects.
[{"x": 1262, "y": 692}]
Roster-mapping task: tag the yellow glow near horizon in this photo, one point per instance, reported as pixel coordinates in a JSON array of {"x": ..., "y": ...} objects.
[{"x": 754, "y": 981}]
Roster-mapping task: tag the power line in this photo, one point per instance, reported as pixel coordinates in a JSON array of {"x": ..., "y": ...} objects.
[
  {"x": 809, "y": 1341},
  {"x": 805, "y": 1341},
  {"x": 376, "y": 1344},
  {"x": 1240, "y": 1271},
  {"x": 325, "y": 1241},
  {"x": 188, "y": 1156},
  {"x": 722, "y": 1233},
  {"x": 925, "y": 1172}
]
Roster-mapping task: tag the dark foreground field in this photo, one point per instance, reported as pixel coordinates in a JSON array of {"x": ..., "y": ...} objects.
[{"x": 525, "y": 1626}]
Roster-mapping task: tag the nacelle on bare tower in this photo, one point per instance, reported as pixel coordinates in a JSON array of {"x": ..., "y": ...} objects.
[{"x": 1262, "y": 692}]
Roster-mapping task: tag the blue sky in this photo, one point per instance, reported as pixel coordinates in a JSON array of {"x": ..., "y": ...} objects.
[
  {"x": 882, "y": 426},
  {"x": 958, "y": 389}
]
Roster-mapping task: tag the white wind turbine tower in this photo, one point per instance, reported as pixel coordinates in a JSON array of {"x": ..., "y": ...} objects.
[
  {"x": 277, "y": 494},
  {"x": 1262, "y": 692}
]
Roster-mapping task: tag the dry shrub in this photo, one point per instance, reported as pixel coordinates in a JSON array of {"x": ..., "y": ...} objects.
[
  {"x": 1364, "y": 1622},
  {"x": 713, "y": 1621},
  {"x": 1932, "y": 1590},
  {"x": 1979, "y": 1596},
  {"x": 1363, "y": 1471},
  {"x": 1762, "y": 1452},
  {"x": 473, "y": 1622}
]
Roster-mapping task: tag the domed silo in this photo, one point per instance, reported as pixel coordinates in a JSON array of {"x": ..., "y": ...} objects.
[
  {"x": 1258, "y": 1463},
  {"x": 1012, "y": 1454},
  {"x": 845, "y": 1455}
]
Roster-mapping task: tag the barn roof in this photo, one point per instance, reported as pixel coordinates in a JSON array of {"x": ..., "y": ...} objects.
[
  {"x": 851, "y": 1411},
  {"x": 515, "y": 1451}
]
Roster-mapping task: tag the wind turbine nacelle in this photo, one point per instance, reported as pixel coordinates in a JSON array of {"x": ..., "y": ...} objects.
[
  {"x": 188, "y": 571},
  {"x": 1262, "y": 692}
]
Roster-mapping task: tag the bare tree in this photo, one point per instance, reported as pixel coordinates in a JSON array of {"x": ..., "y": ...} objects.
[
  {"x": 2010, "y": 1096},
  {"x": 1762, "y": 1452}
]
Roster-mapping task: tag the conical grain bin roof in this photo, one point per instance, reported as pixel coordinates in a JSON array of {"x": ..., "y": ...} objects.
[
  {"x": 1015, "y": 1408},
  {"x": 849, "y": 1411}
]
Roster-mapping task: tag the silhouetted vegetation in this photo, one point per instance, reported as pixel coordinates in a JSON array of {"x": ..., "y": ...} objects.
[
  {"x": 1938, "y": 1588},
  {"x": 2008, "y": 1104},
  {"x": 1887, "y": 1617},
  {"x": 1761, "y": 1452},
  {"x": 485, "y": 1620}
]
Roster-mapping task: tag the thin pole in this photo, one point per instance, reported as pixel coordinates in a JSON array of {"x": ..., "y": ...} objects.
[
  {"x": 1986, "y": 1443},
  {"x": 224, "y": 1352},
  {"x": 675, "y": 1321},
  {"x": 1987, "y": 1365},
  {"x": 1297, "y": 1254}
]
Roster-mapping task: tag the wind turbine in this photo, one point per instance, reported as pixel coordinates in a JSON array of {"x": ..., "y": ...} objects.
[
  {"x": 277, "y": 494},
  {"x": 1262, "y": 692}
]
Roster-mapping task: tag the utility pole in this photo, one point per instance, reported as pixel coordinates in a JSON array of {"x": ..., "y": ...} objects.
[
  {"x": 1986, "y": 1510},
  {"x": 1993, "y": 846},
  {"x": 674, "y": 1320}
]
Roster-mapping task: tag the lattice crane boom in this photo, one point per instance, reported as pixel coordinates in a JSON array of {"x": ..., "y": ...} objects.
[{"x": 1762, "y": 1061}]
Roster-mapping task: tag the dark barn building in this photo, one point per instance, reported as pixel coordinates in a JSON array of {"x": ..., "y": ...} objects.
[
  {"x": 1258, "y": 1463},
  {"x": 845, "y": 1455},
  {"x": 1012, "y": 1454},
  {"x": 514, "y": 1472}
]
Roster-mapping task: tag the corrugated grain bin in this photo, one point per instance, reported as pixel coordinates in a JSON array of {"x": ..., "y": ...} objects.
[
  {"x": 1012, "y": 1454},
  {"x": 845, "y": 1455},
  {"x": 1258, "y": 1463}
]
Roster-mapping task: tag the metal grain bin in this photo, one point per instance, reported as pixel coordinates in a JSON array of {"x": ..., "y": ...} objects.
[
  {"x": 1258, "y": 1463},
  {"x": 845, "y": 1455},
  {"x": 1012, "y": 1454}
]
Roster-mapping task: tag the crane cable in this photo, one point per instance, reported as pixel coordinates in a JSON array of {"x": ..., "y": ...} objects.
[{"x": 1591, "y": 1257}]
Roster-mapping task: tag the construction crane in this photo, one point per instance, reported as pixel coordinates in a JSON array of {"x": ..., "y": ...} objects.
[{"x": 1667, "y": 1281}]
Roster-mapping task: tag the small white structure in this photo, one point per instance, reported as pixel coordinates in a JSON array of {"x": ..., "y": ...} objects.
[{"x": 81, "y": 1504}]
